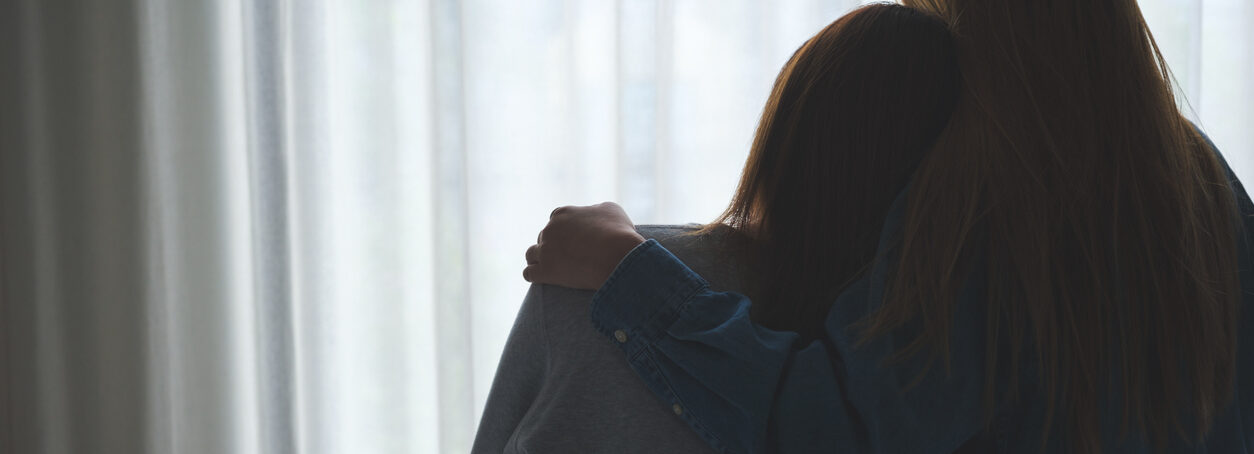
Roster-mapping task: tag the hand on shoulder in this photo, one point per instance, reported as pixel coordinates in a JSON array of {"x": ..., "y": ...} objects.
[{"x": 581, "y": 246}]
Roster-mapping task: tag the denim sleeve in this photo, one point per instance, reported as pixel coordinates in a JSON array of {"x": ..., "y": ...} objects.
[{"x": 745, "y": 388}]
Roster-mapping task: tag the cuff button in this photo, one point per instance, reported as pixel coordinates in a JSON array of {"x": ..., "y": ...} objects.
[
  {"x": 621, "y": 336},
  {"x": 677, "y": 409}
]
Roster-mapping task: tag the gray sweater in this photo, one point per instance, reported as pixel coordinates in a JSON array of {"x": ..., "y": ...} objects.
[{"x": 562, "y": 387}]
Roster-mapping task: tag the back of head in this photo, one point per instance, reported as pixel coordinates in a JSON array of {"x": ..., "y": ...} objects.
[
  {"x": 851, "y": 114},
  {"x": 1104, "y": 221}
]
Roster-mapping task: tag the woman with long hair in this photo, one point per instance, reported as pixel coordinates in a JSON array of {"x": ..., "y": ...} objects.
[
  {"x": 1067, "y": 270},
  {"x": 840, "y": 120}
]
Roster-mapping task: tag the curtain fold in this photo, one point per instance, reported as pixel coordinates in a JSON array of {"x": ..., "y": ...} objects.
[
  {"x": 196, "y": 162},
  {"x": 73, "y": 234},
  {"x": 449, "y": 226},
  {"x": 249, "y": 226}
]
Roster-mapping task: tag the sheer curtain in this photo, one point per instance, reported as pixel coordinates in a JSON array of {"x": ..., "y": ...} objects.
[{"x": 297, "y": 226}]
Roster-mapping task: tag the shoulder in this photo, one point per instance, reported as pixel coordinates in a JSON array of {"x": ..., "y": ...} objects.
[
  {"x": 572, "y": 408},
  {"x": 717, "y": 254}
]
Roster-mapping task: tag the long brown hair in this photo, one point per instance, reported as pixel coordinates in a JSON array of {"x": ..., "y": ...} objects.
[
  {"x": 850, "y": 116},
  {"x": 1104, "y": 222}
]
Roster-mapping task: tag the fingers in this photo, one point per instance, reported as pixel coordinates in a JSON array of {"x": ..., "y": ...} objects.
[
  {"x": 534, "y": 273},
  {"x": 533, "y": 254}
]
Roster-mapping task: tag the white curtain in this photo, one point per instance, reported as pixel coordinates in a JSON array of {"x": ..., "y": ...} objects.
[{"x": 249, "y": 226}]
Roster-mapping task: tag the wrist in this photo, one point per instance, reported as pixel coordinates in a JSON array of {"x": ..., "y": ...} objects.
[
  {"x": 618, "y": 246},
  {"x": 625, "y": 242}
]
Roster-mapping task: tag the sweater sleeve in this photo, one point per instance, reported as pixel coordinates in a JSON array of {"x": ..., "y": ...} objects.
[
  {"x": 519, "y": 376},
  {"x": 745, "y": 388}
]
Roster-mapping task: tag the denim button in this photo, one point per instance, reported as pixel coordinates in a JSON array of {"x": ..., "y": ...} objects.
[
  {"x": 677, "y": 409},
  {"x": 621, "y": 336}
]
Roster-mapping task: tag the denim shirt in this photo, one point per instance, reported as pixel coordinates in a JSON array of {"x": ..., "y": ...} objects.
[{"x": 747, "y": 389}]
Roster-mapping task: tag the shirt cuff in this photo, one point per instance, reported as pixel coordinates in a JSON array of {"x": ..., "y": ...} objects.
[{"x": 643, "y": 296}]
